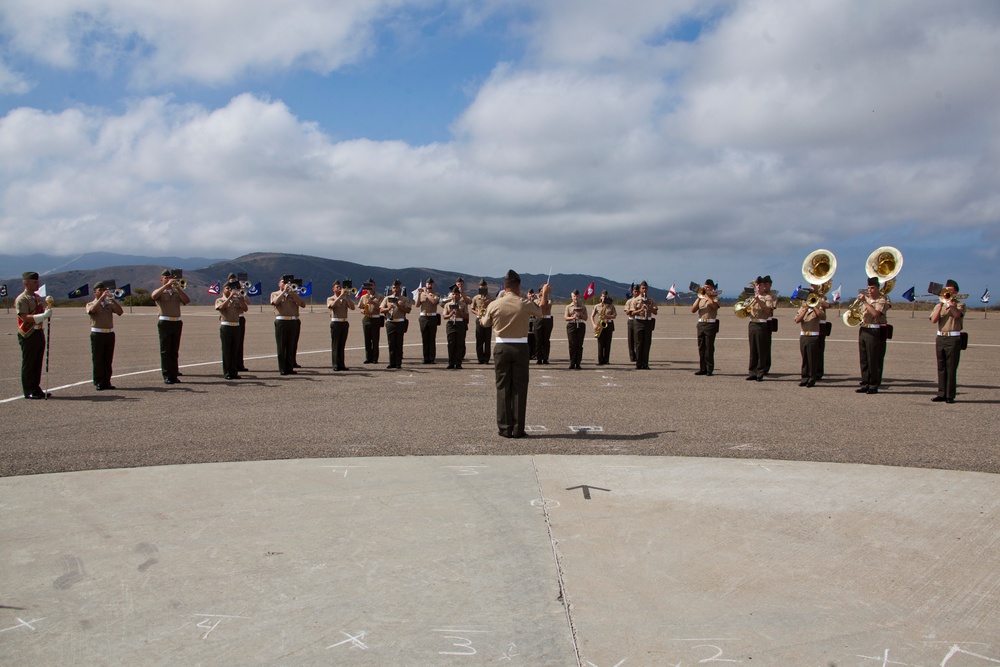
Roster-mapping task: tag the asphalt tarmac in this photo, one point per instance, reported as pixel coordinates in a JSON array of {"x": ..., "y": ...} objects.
[{"x": 374, "y": 517}]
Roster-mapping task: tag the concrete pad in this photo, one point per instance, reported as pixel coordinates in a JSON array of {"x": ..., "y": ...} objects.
[{"x": 501, "y": 560}]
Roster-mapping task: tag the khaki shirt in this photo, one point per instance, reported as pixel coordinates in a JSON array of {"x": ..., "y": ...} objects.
[
  {"x": 28, "y": 304},
  {"x": 812, "y": 319},
  {"x": 628, "y": 308},
  {"x": 948, "y": 322},
  {"x": 427, "y": 302},
  {"x": 339, "y": 306},
  {"x": 396, "y": 311},
  {"x": 285, "y": 304},
  {"x": 608, "y": 310},
  {"x": 456, "y": 311},
  {"x": 881, "y": 304},
  {"x": 580, "y": 309},
  {"x": 509, "y": 315},
  {"x": 764, "y": 306},
  {"x": 230, "y": 308},
  {"x": 168, "y": 302},
  {"x": 708, "y": 308},
  {"x": 370, "y": 302},
  {"x": 102, "y": 313},
  {"x": 637, "y": 306}
]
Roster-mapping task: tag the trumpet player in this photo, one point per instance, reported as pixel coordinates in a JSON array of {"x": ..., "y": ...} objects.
[
  {"x": 707, "y": 306},
  {"x": 102, "y": 311},
  {"x": 231, "y": 306},
  {"x": 603, "y": 321},
  {"x": 32, "y": 311},
  {"x": 761, "y": 307},
  {"x": 872, "y": 336},
  {"x": 169, "y": 297},
  {"x": 948, "y": 315},
  {"x": 483, "y": 332},
  {"x": 456, "y": 315},
  {"x": 395, "y": 306},
  {"x": 241, "y": 293},
  {"x": 286, "y": 303},
  {"x": 810, "y": 318},
  {"x": 427, "y": 301},
  {"x": 338, "y": 305},
  {"x": 576, "y": 328},
  {"x": 644, "y": 309},
  {"x": 372, "y": 321},
  {"x": 543, "y": 331}
]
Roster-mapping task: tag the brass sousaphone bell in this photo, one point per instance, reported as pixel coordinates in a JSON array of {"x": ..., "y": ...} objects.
[
  {"x": 884, "y": 263},
  {"x": 818, "y": 269}
]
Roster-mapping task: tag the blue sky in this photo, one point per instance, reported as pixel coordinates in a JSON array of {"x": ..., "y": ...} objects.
[{"x": 668, "y": 141}]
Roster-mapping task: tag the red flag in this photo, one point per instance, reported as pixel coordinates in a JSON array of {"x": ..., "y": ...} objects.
[
  {"x": 214, "y": 288},
  {"x": 589, "y": 292}
]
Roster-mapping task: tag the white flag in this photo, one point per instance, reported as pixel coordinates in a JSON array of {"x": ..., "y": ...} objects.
[
  {"x": 42, "y": 292},
  {"x": 672, "y": 294},
  {"x": 836, "y": 294},
  {"x": 985, "y": 298}
]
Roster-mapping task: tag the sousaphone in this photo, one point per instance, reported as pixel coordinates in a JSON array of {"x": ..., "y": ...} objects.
[
  {"x": 884, "y": 263},
  {"x": 818, "y": 269}
]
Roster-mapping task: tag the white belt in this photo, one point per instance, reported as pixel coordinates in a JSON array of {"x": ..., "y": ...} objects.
[
  {"x": 338, "y": 319},
  {"x": 428, "y": 314},
  {"x": 871, "y": 326},
  {"x": 229, "y": 324},
  {"x": 547, "y": 317},
  {"x": 638, "y": 317},
  {"x": 97, "y": 330},
  {"x": 512, "y": 340},
  {"x": 704, "y": 320},
  {"x": 808, "y": 333},
  {"x": 949, "y": 333},
  {"x": 164, "y": 318},
  {"x": 401, "y": 319},
  {"x": 287, "y": 317},
  {"x": 758, "y": 321},
  {"x": 38, "y": 327}
]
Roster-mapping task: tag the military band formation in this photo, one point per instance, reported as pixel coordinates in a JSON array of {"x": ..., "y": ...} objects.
[{"x": 521, "y": 326}]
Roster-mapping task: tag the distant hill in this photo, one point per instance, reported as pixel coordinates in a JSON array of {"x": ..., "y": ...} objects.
[
  {"x": 15, "y": 265},
  {"x": 267, "y": 268}
]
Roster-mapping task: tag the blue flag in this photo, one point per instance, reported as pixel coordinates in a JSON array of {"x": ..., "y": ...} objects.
[
  {"x": 985, "y": 298},
  {"x": 908, "y": 295},
  {"x": 83, "y": 290},
  {"x": 123, "y": 291},
  {"x": 255, "y": 290},
  {"x": 795, "y": 293},
  {"x": 3, "y": 290},
  {"x": 306, "y": 290}
]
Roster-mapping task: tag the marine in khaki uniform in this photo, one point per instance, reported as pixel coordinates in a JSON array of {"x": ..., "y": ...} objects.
[
  {"x": 762, "y": 305},
  {"x": 231, "y": 307},
  {"x": 32, "y": 312},
  {"x": 426, "y": 302},
  {"x": 630, "y": 325},
  {"x": 169, "y": 297},
  {"x": 872, "y": 336},
  {"x": 483, "y": 334},
  {"x": 604, "y": 312},
  {"x": 707, "y": 306},
  {"x": 644, "y": 309},
  {"x": 395, "y": 306},
  {"x": 948, "y": 315},
  {"x": 810, "y": 321},
  {"x": 339, "y": 304},
  {"x": 372, "y": 320},
  {"x": 456, "y": 316},
  {"x": 575, "y": 316},
  {"x": 286, "y": 303},
  {"x": 508, "y": 316},
  {"x": 102, "y": 311},
  {"x": 543, "y": 332}
]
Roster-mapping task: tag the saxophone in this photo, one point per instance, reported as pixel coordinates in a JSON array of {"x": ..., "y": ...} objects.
[{"x": 602, "y": 323}]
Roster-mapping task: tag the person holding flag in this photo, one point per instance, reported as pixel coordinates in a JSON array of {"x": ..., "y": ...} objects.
[
  {"x": 576, "y": 329},
  {"x": 645, "y": 309},
  {"x": 948, "y": 315},
  {"x": 102, "y": 333},
  {"x": 31, "y": 310}
]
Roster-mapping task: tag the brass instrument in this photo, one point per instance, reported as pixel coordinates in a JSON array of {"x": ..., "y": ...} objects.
[
  {"x": 819, "y": 267},
  {"x": 602, "y": 323},
  {"x": 855, "y": 312},
  {"x": 884, "y": 263},
  {"x": 118, "y": 293},
  {"x": 742, "y": 307},
  {"x": 704, "y": 292}
]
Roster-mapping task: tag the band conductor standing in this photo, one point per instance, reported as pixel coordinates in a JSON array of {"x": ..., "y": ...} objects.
[{"x": 508, "y": 316}]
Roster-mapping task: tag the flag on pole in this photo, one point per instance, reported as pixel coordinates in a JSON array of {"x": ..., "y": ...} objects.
[
  {"x": 672, "y": 294},
  {"x": 255, "y": 290},
  {"x": 628, "y": 295},
  {"x": 836, "y": 294},
  {"x": 985, "y": 298},
  {"x": 124, "y": 291},
  {"x": 215, "y": 287},
  {"x": 795, "y": 293},
  {"x": 42, "y": 291},
  {"x": 307, "y": 290},
  {"x": 3, "y": 290},
  {"x": 908, "y": 294},
  {"x": 589, "y": 292},
  {"x": 83, "y": 290}
]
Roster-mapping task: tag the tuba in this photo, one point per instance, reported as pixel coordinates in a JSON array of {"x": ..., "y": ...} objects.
[
  {"x": 884, "y": 263},
  {"x": 818, "y": 269}
]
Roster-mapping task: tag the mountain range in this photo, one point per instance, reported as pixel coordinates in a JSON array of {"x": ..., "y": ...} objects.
[{"x": 63, "y": 274}]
